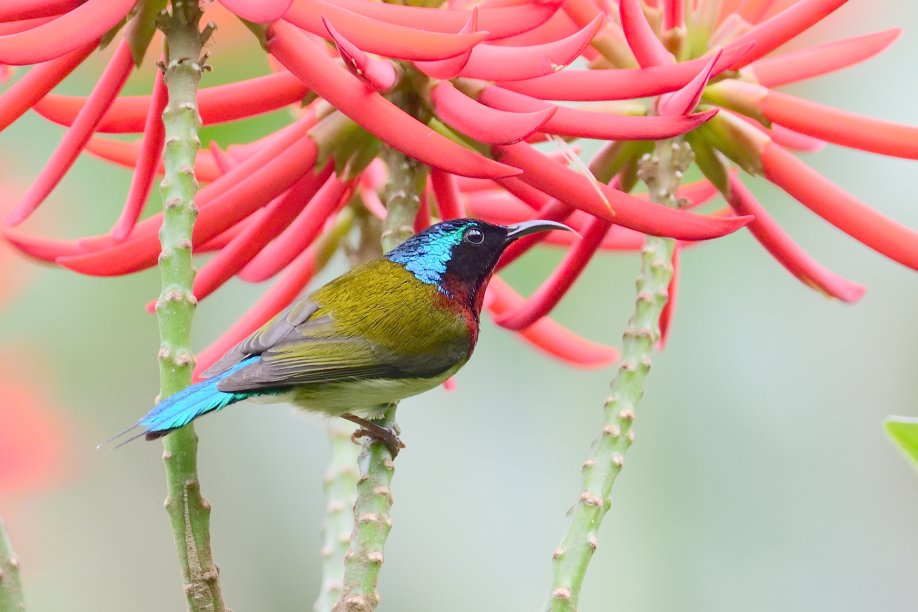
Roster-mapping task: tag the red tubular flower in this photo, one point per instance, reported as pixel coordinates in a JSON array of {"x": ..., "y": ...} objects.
[
  {"x": 482, "y": 82},
  {"x": 261, "y": 11},
  {"x": 66, "y": 153},
  {"x": 76, "y": 28},
  {"x": 375, "y": 36},
  {"x": 379, "y": 74},
  {"x": 816, "y": 61},
  {"x": 504, "y": 63},
  {"x": 141, "y": 250},
  {"x": 647, "y": 48},
  {"x": 568, "y": 121},
  {"x": 152, "y": 147},
  {"x": 496, "y": 20},
  {"x": 482, "y": 122},
  {"x": 28, "y": 90},
  {"x": 301, "y": 233},
  {"x": 561, "y": 280},
  {"x": 839, "y": 208},
  {"x": 548, "y": 335},
  {"x": 373, "y": 112},
  {"x": 576, "y": 190},
  {"x": 273, "y": 219},
  {"x": 620, "y": 84},
  {"x": 447, "y": 193},
  {"x": 128, "y": 153},
  {"x": 219, "y": 104},
  {"x": 767, "y": 231},
  {"x": 789, "y": 23},
  {"x": 19, "y": 10}
]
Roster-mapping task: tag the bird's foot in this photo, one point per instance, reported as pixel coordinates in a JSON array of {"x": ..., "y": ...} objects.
[{"x": 386, "y": 435}]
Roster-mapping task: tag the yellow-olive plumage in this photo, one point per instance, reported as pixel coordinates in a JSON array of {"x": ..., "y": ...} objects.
[{"x": 386, "y": 330}]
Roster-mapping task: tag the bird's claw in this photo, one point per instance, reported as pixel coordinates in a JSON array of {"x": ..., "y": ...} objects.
[{"x": 384, "y": 435}]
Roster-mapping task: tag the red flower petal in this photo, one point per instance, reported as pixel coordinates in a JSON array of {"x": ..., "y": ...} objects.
[
  {"x": 673, "y": 14},
  {"x": 621, "y": 84},
  {"x": 376, "y": 36},
  {"x": 373, "y": 112},
  {"x": 151, "y": 150},
  {"x": 111, "y": 82},
  {"x": 777, "y": 30},
  {"x": 447, "y": 192},
  {"x": 128, "y": 153},
  {"x": 271, "y": 220},
  {"x": 219, "y": 104},
  {"x": 41, "y": 248},
  {"x": 816, "y": 61},
  {"x": 484, "y": 123},
  {"x": 783, "y": 136},
  {"x": 561, "y": 280},
  {"x": 647, "y": 48},
  {"x": 767, "y": 231},
  {"x": 84, "y": 24},
  {"x": 302, "y": 232},
  {"x": 840, "y": 208},
  {"x": 548, "y": 335},
  {"x": 841, "y": 127},
  {"x": 569, "y": 121},
  {"x": 18, "y": 10},
  {"x": 575, "y": 189},
  {"x": 259, "y": 11},
  {"x": 217, "y": 213},
  {"x": 685, "y": 99},
  {"x": 497, "y": 21},
  {"x": 36, "y": 83},
  {"x": 502, "y": 63},
  {"x": 379, "y": 74},
  {"x": 451, "y": 67}
]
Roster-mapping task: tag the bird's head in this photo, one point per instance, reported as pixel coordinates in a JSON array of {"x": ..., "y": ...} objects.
[{"x": 459, "y": 256}]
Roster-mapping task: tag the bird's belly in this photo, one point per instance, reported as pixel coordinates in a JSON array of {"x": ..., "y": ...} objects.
[{"x": 360, "y": 396}]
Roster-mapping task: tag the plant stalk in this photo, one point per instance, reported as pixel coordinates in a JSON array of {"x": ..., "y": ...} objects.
[
  {"x": 11, "y": 599},
  {"x": 189, "y": 512},
  {"x": 372, "y": 510},
  {"x": 662, "y": 172}
]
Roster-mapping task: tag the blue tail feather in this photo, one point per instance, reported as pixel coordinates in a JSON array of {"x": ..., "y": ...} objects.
[{"x": 188, "y": 404}]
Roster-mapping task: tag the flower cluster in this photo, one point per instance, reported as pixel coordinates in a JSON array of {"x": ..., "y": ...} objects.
[{"x": 466, "y": 91}]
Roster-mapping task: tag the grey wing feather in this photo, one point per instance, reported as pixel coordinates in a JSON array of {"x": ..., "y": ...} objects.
[{"x": 272, "y": 333}]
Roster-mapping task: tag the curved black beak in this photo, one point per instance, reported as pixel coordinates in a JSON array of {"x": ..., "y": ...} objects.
[{"x": 525, "y": 228}]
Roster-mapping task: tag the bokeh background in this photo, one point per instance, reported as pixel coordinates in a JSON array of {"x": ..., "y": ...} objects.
[{"x": 761, "y": 479}]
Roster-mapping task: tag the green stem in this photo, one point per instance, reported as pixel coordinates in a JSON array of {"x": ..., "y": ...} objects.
[
  {"x": 10, "y": 587},
  {"x": 340, "y": 493},
  {"x": 341, "y": 475},
  {"x": 372, "y": 511},
  {"x": 189, "y": 512},
  {"x": 662, "y": 172}
]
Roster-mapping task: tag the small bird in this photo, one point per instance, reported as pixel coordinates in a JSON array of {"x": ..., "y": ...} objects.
[{"x": 386, "y": 330}]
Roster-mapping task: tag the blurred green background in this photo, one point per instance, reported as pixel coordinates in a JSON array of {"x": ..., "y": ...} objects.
[{"x": 761, "y": 479}]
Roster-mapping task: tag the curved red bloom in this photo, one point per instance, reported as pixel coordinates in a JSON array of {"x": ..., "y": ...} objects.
[{"x": 468, "y": 92}]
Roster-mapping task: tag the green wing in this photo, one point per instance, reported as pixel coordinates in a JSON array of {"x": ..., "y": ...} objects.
[{"x": 386, "y": 337}]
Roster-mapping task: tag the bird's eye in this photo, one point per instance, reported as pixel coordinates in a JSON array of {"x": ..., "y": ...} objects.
[{"x": 474, "y": 236}]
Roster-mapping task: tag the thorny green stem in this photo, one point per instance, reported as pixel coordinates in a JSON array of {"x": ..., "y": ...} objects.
[
  {"x": 341, "y": 475},
  {"x": 662, "y": 171},
  {"x": 189, "y": 512},
  {"x": 340, "y": 494},
  {"x": 10, "y": 587},
  {"x": 372, "y": 520}
]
